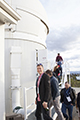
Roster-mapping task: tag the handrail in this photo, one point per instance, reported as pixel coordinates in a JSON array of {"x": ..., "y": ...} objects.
[
  {"x": 30, "y": 88},
  {"x": 30, "y": 105},
  {"x": 25, "y": 102}
]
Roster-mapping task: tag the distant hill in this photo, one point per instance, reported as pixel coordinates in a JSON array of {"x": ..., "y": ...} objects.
[{"x": 74, "y": 72}]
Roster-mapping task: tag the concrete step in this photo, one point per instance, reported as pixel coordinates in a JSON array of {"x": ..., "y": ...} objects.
[{"x": 14, "y": 117}]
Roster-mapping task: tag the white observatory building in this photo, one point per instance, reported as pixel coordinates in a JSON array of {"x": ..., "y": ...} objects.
[{"x": 24, "y": 48}]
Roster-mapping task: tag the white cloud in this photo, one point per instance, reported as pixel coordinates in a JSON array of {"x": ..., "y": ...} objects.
[
  {"x": 62, "y": 13},
  {"x": 64, "y": 36},
  {"x": 64, "y": 39}
]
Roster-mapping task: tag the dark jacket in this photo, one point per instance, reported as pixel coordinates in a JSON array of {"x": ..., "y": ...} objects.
[
  {"x": 59, "y": 58},
  {"x": 56, "y": 73},
  {"x": 54, "y": 87},
  {"x": 78, "y": 100},
  {"x": 72, "y": 95},
  {"x": 44, "y": 88}
]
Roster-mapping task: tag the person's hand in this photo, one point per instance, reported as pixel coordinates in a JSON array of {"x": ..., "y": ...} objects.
[
  {"x": 35, "y": 102},
  {"x": 71, "y": 104},
  {"x": 54, "y": 100},
  {"x": 44, "y": 104}
]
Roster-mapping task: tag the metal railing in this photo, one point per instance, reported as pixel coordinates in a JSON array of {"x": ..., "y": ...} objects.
[
  {"x": 26, "y": 114},
  {"x": 66, "y": 72},
  {"x": 66, "y": 69}
]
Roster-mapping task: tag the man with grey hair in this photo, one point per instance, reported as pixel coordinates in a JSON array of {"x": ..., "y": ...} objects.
[{"x": 68, "y": 98}]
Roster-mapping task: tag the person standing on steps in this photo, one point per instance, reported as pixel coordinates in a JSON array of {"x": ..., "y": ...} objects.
[
  {"x": 59, "y": 58},
  {"x": 68, "y": 97},
  {"x": 42, "y": 94},
  {"x": 59, "y": 61},
  {"x": 56, "y": 73},
  {"x": 55, "y": 94}
]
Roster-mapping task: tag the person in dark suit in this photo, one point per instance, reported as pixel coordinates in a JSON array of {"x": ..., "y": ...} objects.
[
  {"x": 78, "y": 103},
  {"x": 42, "y": 94}
]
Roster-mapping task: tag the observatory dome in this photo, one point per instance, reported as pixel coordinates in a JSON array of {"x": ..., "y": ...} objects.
[{"x": 31, "y": 7}]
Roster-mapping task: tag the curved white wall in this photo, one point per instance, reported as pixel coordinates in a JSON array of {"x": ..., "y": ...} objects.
[
  {"x": 33, "y": 19},
  {"x": 28, "y": 68},
  {"x": 31, "y": 6}
]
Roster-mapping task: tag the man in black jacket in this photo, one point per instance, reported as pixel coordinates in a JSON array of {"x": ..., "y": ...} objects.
[
  {"x": 55, "y": 94},
  {"x": 78, "y": 103},
  {"x": 68, "y": 98},
  {"x": 43, "y": 94}
]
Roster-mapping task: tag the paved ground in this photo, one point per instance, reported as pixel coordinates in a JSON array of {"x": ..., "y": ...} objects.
[
  {"x": 75, "y": 115},
  {"x": 32, "y": 117}
]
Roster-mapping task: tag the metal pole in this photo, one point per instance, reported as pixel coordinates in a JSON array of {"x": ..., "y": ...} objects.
[
  {"x": 65, "y": 79},
  {"x": 69, "y": 79},
  {"x": 25, "y": 104},
  {"x": 69, "y": 76},
  {"x": 62, "y": 78}
]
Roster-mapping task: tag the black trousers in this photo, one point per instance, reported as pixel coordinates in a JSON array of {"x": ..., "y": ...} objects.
[{"x": 40, "y": 109}]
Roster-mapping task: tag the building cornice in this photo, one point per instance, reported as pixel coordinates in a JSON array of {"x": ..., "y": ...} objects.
[{"x": 7, "y": 14}]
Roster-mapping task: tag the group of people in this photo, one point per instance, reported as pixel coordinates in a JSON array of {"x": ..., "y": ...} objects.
[
  {"x": 47, "y": 94},
  {"x": 57, "y": 72}
]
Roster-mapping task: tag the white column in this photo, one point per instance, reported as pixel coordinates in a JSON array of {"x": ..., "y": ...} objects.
[{"x": 2, "y": 82}]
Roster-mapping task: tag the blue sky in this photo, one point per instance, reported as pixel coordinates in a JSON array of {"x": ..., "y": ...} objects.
[{"x": 64, "y": 35}]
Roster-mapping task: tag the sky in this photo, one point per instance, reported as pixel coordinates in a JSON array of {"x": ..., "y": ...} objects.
[{"x": 64, "y": 34}]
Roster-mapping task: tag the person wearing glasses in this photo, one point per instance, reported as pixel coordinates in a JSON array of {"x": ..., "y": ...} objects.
[{"x": 42, "y": 94}]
